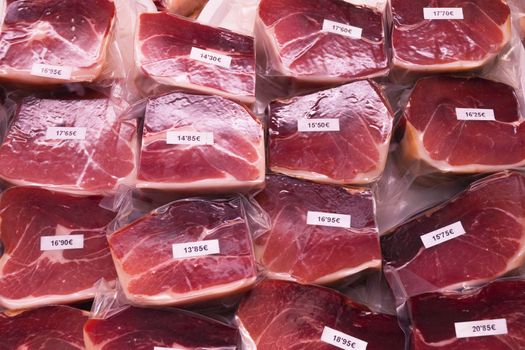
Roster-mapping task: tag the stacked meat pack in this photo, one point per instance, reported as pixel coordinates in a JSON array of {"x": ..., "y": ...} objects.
[{"x": 262, "y": 175}]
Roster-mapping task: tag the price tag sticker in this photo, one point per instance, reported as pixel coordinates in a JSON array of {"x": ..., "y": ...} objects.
[
  {"x": 317, "y": 218},
  {"x": 192, "y": 249},
  {"x": 342, "y": 29},
  {"x": 66, "y": 133},
  {"x": 475, "y": 114},
  {"x": 309, "y": 125},
  {"x": 49, "y": 71},
  {"x": 481, "y": 328},
  {"x": 206, "y": 56},
  {"x": 61, "y": 242},
  {"x": 189, "y": 138},
  {"x": 443, "y": 234},
  {"x": 342, "y": 340},
  {"x": 443, "y": 13}
]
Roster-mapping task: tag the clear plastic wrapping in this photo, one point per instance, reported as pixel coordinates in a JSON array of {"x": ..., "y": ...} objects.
[
  {"x": 321, "y": 42},
  {"x": 49, "y": 327},
  {"x": 54, "y": 247},
  {"x": 71, "y": 139},
  {"x": 489, "y": 317},
  {"x": 340, "y": 135},
  {"x": 48, "y": 43},
  {"x": 473, "y": 238},
  {"x": 190, "y": 251},
  {"x": 465, "y": 126},
  {"x": 458, "y": 36},
  {"x": 235, "y": 15},
  {"x": 278, "y": 315},
  {"x": 172, "y": 51},
  {"x": 116, "y": 325},
  {"x": 319, "y": 233},
  {"x": 200, "y": 143}
]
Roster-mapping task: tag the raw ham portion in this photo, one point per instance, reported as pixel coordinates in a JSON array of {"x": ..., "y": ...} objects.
[
  {"x": 434, "y": 316},
  {"x": 280, "y": 315},
  {"x": 491, "y": 212},
  {"x": 441, "y": 45},
  {"x": 183, "y": 7},
  {"x": 143, "y": 329},
  {"x": 354, "y": 154},
  {"x": 47, "y": 328},
  {"x": 235, "y": 15},
  {"x": 436, "y": 136},
  {"x": 163, "y": 52},
  {"x": 151, "y": 274},
  {"x": 31, "y": 277},
  {"x": 297, "y": 251},
  {"x": 32, "y": 154},
  {"x": 49, "y": 32},
  {"x": 234, "y": 159},
  {"x": 296, "y": 44}
]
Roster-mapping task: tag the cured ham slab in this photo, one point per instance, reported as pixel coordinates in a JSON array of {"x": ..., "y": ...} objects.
[
  {"x": 72, "y": 144},
  {"x": 200, "y": 142},
  {"x": 473, "y": 238},
  {"x": 443, "y": 128},
  {"x": 183, "y": 7},
  {"x": 340, "y": 135},
  {"x": 216, "y": 257},
  {"x": 497, "y": 309},
  {"x": 330, "y": 41},
  {"x": 148, "y": 329},
  {"x": 45, "y": 42},
  {"x": 35, "y": 273},
  {"x": 448, "y": 42},
  {"x": 180, "y": 52},
  {"x": 46, "y": 328},
  {"x": 280, "y": 315},
  {"x": 308, "y": 241}
]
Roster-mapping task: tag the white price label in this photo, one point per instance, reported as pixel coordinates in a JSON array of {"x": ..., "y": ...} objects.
[
  {"x": 66, "y": 133},
  {"x": 309, "y": 125},
  {"x": 210, "y": 57},
  {"x": 200, "y": 248},
  {"x": 481, "y": 328},
  {"x": 342, "y": 29},
  {"x": 443, "y": 234},
  {"x": 443, "y": 13},
  {"x": 48, "y": 71},
  {"x": 328, "y": 219},
  {"x": 342, "y": 340},
  {"x": 189, "y": 138},
  {"x": 475, "y": 114},
  {"x": 61, "y": 242}
]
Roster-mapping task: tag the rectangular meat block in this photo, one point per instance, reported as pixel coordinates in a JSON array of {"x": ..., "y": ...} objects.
[
  {"x": 54, "y": 247},
  {"x": 319, "y": 233},
  {"x": 176, "y": 51},
  {"x": 185, "y": 252},
  {"x": 72, "y": 144},
  {"x": 55, "y": 41},
  {"x": 199, "y": 143},
  {"x": 473, "y": 238},
  {"x": 488, "y": 318}
]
